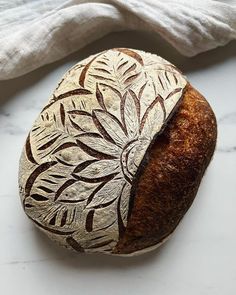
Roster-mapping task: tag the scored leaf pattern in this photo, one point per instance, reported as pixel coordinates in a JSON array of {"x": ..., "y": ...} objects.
[{"x": 83, "y": 152}]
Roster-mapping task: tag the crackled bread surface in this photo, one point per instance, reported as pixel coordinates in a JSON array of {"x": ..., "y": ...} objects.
[{"x": 85, "y": 177}]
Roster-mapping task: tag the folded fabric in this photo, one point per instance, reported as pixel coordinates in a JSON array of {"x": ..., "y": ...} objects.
[{"x": 35, "y": 33}]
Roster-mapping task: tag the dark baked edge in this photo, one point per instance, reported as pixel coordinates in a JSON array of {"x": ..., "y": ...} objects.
[{"x": 170, "y": 180}]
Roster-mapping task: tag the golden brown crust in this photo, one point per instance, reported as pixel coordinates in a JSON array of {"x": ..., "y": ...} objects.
[{"x": 170, "y": 180}]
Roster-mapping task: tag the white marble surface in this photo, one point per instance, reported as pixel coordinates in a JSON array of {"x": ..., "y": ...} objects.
[{"x": 200, "y": 258}]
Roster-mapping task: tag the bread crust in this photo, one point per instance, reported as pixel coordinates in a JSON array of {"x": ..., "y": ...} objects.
[{"x": 169, "y": 182}]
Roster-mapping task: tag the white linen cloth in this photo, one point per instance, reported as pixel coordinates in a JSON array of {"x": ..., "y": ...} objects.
[{"x": 38, "y": 32}]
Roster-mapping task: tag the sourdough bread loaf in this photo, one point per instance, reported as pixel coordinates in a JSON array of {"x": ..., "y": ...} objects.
[{"x": 115, "y": 158}]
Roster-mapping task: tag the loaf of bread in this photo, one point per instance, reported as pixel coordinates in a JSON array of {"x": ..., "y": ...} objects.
[{"x": 115, "y": 158}]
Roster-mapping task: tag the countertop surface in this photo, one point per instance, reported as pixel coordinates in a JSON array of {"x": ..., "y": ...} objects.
[{"x": 200, "y": 257}]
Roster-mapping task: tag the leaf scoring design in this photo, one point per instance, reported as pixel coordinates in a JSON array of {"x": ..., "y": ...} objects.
[{"x": 87, "y": 144}]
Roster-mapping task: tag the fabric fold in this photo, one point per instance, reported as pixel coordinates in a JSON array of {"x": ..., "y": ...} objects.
[{"x": 35, "y": 33}]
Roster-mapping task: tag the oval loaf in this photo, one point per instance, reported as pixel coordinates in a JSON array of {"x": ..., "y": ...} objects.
[{"x": 115, "y": 158}]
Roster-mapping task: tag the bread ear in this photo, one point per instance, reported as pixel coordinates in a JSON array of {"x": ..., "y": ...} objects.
[{"x": 169, "y": 182}]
